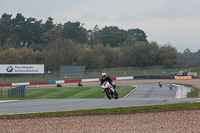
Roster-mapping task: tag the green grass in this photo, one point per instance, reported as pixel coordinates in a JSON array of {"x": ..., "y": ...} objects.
[
  {"x": 194, "y": 93},
  {"x": 72, "y": 92},
  {"x": 3, "y": 93}
]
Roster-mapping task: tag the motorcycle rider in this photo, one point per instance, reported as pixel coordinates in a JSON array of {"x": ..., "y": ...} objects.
[
  {"x": 107, "y": 78},
  {"x": 58, "y": 85},
  {"x": 160, "y": 83},
  {"x": 171, "y": 86}
]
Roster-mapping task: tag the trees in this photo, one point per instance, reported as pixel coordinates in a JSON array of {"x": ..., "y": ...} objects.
[
  {"x": 31, "y": 33},
  {"x": 127, "y": 55},
  {"x": 138, "y": 35},
  {"x": 112, "y": 35},
  {"x": 19, "y": 56},
  {"x": 85, "y": 56},
  {"x": 48, "y": 25},
  {"x": 16, "y": 37},
  {"x": 115, "y": 37},
  {"x": 27, "y": 56},
  {"x": 93, "y": 36},
  {"x": 189, "y": 57},
  {"x": 74, "y": 32},
  {"x": 5, "y": 25},
  {"x": 168, "y": 55},
  {"x": 20, "y": 31},
  {"x": 145, "y": 54},
  {"x": 99, "y": 55},
  {"x": 10, "y": 56},
  {"x": 31, "y": 41}
]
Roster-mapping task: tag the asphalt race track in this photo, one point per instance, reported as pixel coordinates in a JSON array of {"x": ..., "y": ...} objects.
[{"x": 143, "y": 95}]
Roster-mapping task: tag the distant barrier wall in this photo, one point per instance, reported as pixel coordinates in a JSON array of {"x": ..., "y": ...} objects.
[{"x": 72, "y": 70}]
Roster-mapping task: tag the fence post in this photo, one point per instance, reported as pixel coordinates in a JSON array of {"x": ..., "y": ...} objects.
[
  {"x": 9, "y": 92},
  {"x": 23, "y": 91},
  {"x": 17, "y": 92},
  {"x": 1, "y": 91}
]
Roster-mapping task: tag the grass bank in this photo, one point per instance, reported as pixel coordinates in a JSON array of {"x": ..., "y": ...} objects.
[{"x": 70, "y": 92}]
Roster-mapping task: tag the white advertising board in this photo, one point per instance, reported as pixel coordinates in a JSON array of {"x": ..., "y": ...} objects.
[{"x": 21, "y": 68}]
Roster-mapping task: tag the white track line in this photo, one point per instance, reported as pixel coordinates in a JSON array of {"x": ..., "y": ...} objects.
[
  {"x": 4, "y": 101},
  {"x": 131, "y": 91}
]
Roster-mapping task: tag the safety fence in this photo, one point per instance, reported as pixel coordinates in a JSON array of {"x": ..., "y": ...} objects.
[{"x": 16, "y": 92}]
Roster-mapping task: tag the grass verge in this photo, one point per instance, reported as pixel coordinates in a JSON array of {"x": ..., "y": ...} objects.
[{"x": 69, "y": 93}]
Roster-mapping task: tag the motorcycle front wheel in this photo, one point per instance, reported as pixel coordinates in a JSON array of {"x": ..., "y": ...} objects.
[{"x": 108, "y": 94}]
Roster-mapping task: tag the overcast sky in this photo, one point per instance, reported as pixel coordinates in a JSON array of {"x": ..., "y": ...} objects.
[{"x": 165, "y": 21}]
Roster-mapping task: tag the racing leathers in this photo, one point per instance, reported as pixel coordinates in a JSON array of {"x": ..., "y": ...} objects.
[{"x": 107, "y": 78}]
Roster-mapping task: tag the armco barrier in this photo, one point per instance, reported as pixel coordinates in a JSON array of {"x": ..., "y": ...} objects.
[
  {"x": 38, "y": 83},
  {"x": 90, "y": 80},
  {"x": 9, "y": 84},
  {"x": 124, "y": 78},
  {"x": 51, "y": 82},
  {"x": 20, "y": 84},
  {"x": 60, "y": 81},
  {"x": 72, "y": 81},
  {"x": 114, "y": 78}
]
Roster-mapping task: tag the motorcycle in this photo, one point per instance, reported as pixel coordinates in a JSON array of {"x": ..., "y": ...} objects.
[
  {"x": 171, "y": 87},
  {"x": 111, "y": 92},
  {"x": 79, "y": 84},
  {"x": 160, "y": 84},
  {"x": 59, "y": 85}
]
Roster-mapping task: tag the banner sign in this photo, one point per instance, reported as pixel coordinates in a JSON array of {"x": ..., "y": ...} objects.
[
  {"x": 22, "y": 69},
  {"x": 183, "y": 77}
]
